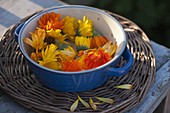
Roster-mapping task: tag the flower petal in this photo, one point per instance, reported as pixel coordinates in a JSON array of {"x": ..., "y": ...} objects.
[
  {"x": 92, "y": 104},
  {"x": 106, "y": 100},
  {"x": 56, "y": 34},
  {"x": 49, "y": 55},
  {"x": 124, "y": 86},
  {"x": 74, "y": 105},
  {"x": 85, "y": 27},
  {"x": 50, "y": 21},
  {"x": 83, "y": 102}
]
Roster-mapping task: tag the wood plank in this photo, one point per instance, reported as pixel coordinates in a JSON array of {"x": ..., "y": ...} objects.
[
  {"x": 2, "y": 30},
  {"x": 48, "y": 4},
  {"x": 167, "y": 104},
  {"x": 15, "y": 7},
  {"x": 162, "y": 54},
  {"x": 7, "y": 18},
  {"x": 7, "y": 105},
  {"x": 157, "y": 92}
]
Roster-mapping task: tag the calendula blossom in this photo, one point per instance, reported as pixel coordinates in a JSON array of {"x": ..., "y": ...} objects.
[
  {"x": 110, "y": 48},
  {"x": 70, "y": 27},
  {"x": 36, "y": 56},
  {"x": 37, "y": 39},
  {"x": 95, "y": 58},
  {"x": 49, "y": 57},
  {"x": 98, "y": 41},
  {"x": 56, "y": 34},
  {"x": 82, "y": 43},
  {"x": 85, "y": 27},
  {"x": 65, "y": 52},
  {"x": 65, "y": 55},
  {"x": 72, "y": 65},
  {"x": 50, "y": 21}
]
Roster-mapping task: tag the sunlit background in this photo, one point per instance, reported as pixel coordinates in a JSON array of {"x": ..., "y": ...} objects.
[{"x": 152, "y": 16}]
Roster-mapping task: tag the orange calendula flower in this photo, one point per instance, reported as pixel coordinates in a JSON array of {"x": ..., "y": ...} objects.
[
  {"x": 49, "y": 57},
  {"x": 69, "y": 27},
  {"x": 85, "y": 27},
  {"x": 98, "y": 41},
  {"x": 50, "y": 21},
  {"x": 37, "y": 41},
  {"x": 96, "y": 58},
  {"x": 36, "y": 56},
  {"x": 82, "y": 43},
  {"x": 56, "y": 34},
  {"x": 73, "y": 65}
]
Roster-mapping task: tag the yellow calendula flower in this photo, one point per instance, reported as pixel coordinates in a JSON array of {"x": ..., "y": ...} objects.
[
  {"x": 85, "y": 27},
  {"x": 53, "y": 65},
  {"x": 37, "y": 39},
  {"x": 65, "y": 52},
  {"x": 82, "y": 43},
  {"x": 66, "y": 55},
  {"x": 56, "y": 34},
  {"x": 110, "y": 47},
  {"x": 69, "y": 27},
  {"x": 49, "y": 57}
]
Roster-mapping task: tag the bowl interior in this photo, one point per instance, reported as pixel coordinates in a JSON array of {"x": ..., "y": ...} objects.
[{"x": 103, "y": 23}]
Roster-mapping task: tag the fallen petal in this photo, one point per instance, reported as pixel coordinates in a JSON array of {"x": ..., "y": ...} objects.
[
  {"x": 106, "y": 100},
  {"x": 74, "y": 105},
  {"x": 92, "y": 104},
  {"x": 83, "y": 102},
  {"x": 124, "y": 86}
]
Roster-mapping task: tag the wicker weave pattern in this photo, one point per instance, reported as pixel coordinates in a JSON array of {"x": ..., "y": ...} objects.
[{"x": 17, "y": 80}]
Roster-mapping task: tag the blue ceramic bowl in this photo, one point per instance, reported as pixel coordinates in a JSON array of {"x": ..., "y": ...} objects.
[{"x": 82, "y": 80}]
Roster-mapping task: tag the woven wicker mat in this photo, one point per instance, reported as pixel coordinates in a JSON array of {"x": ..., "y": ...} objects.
[{"x": 18, "y": 82}]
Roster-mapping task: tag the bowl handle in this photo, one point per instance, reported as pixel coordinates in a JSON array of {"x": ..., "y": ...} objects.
[
  {"x": 111, "y": 71},
  {"x": 17, "y": 30}
]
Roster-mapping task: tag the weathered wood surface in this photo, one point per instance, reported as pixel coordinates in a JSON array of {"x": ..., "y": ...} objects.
[{"x": 11, "y": 11}]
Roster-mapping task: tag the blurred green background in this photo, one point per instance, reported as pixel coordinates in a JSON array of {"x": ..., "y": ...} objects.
[{"x": 152, "y": 16}]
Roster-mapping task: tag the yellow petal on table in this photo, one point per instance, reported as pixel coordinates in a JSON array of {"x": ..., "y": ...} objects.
[
  {"x": 83, "y": 102},
  {"x": 124, "y": 86},
  {"x": 106, "y": 100},
  {"x": 74, "y": 105},
  {"x": 92, "y": 104}
]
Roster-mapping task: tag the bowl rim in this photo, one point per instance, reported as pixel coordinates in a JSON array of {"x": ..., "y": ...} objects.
[{"x": 76, "y": 72}]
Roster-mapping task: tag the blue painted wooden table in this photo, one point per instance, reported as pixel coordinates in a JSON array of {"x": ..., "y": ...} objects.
[{"x": 11, "y": 11}]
